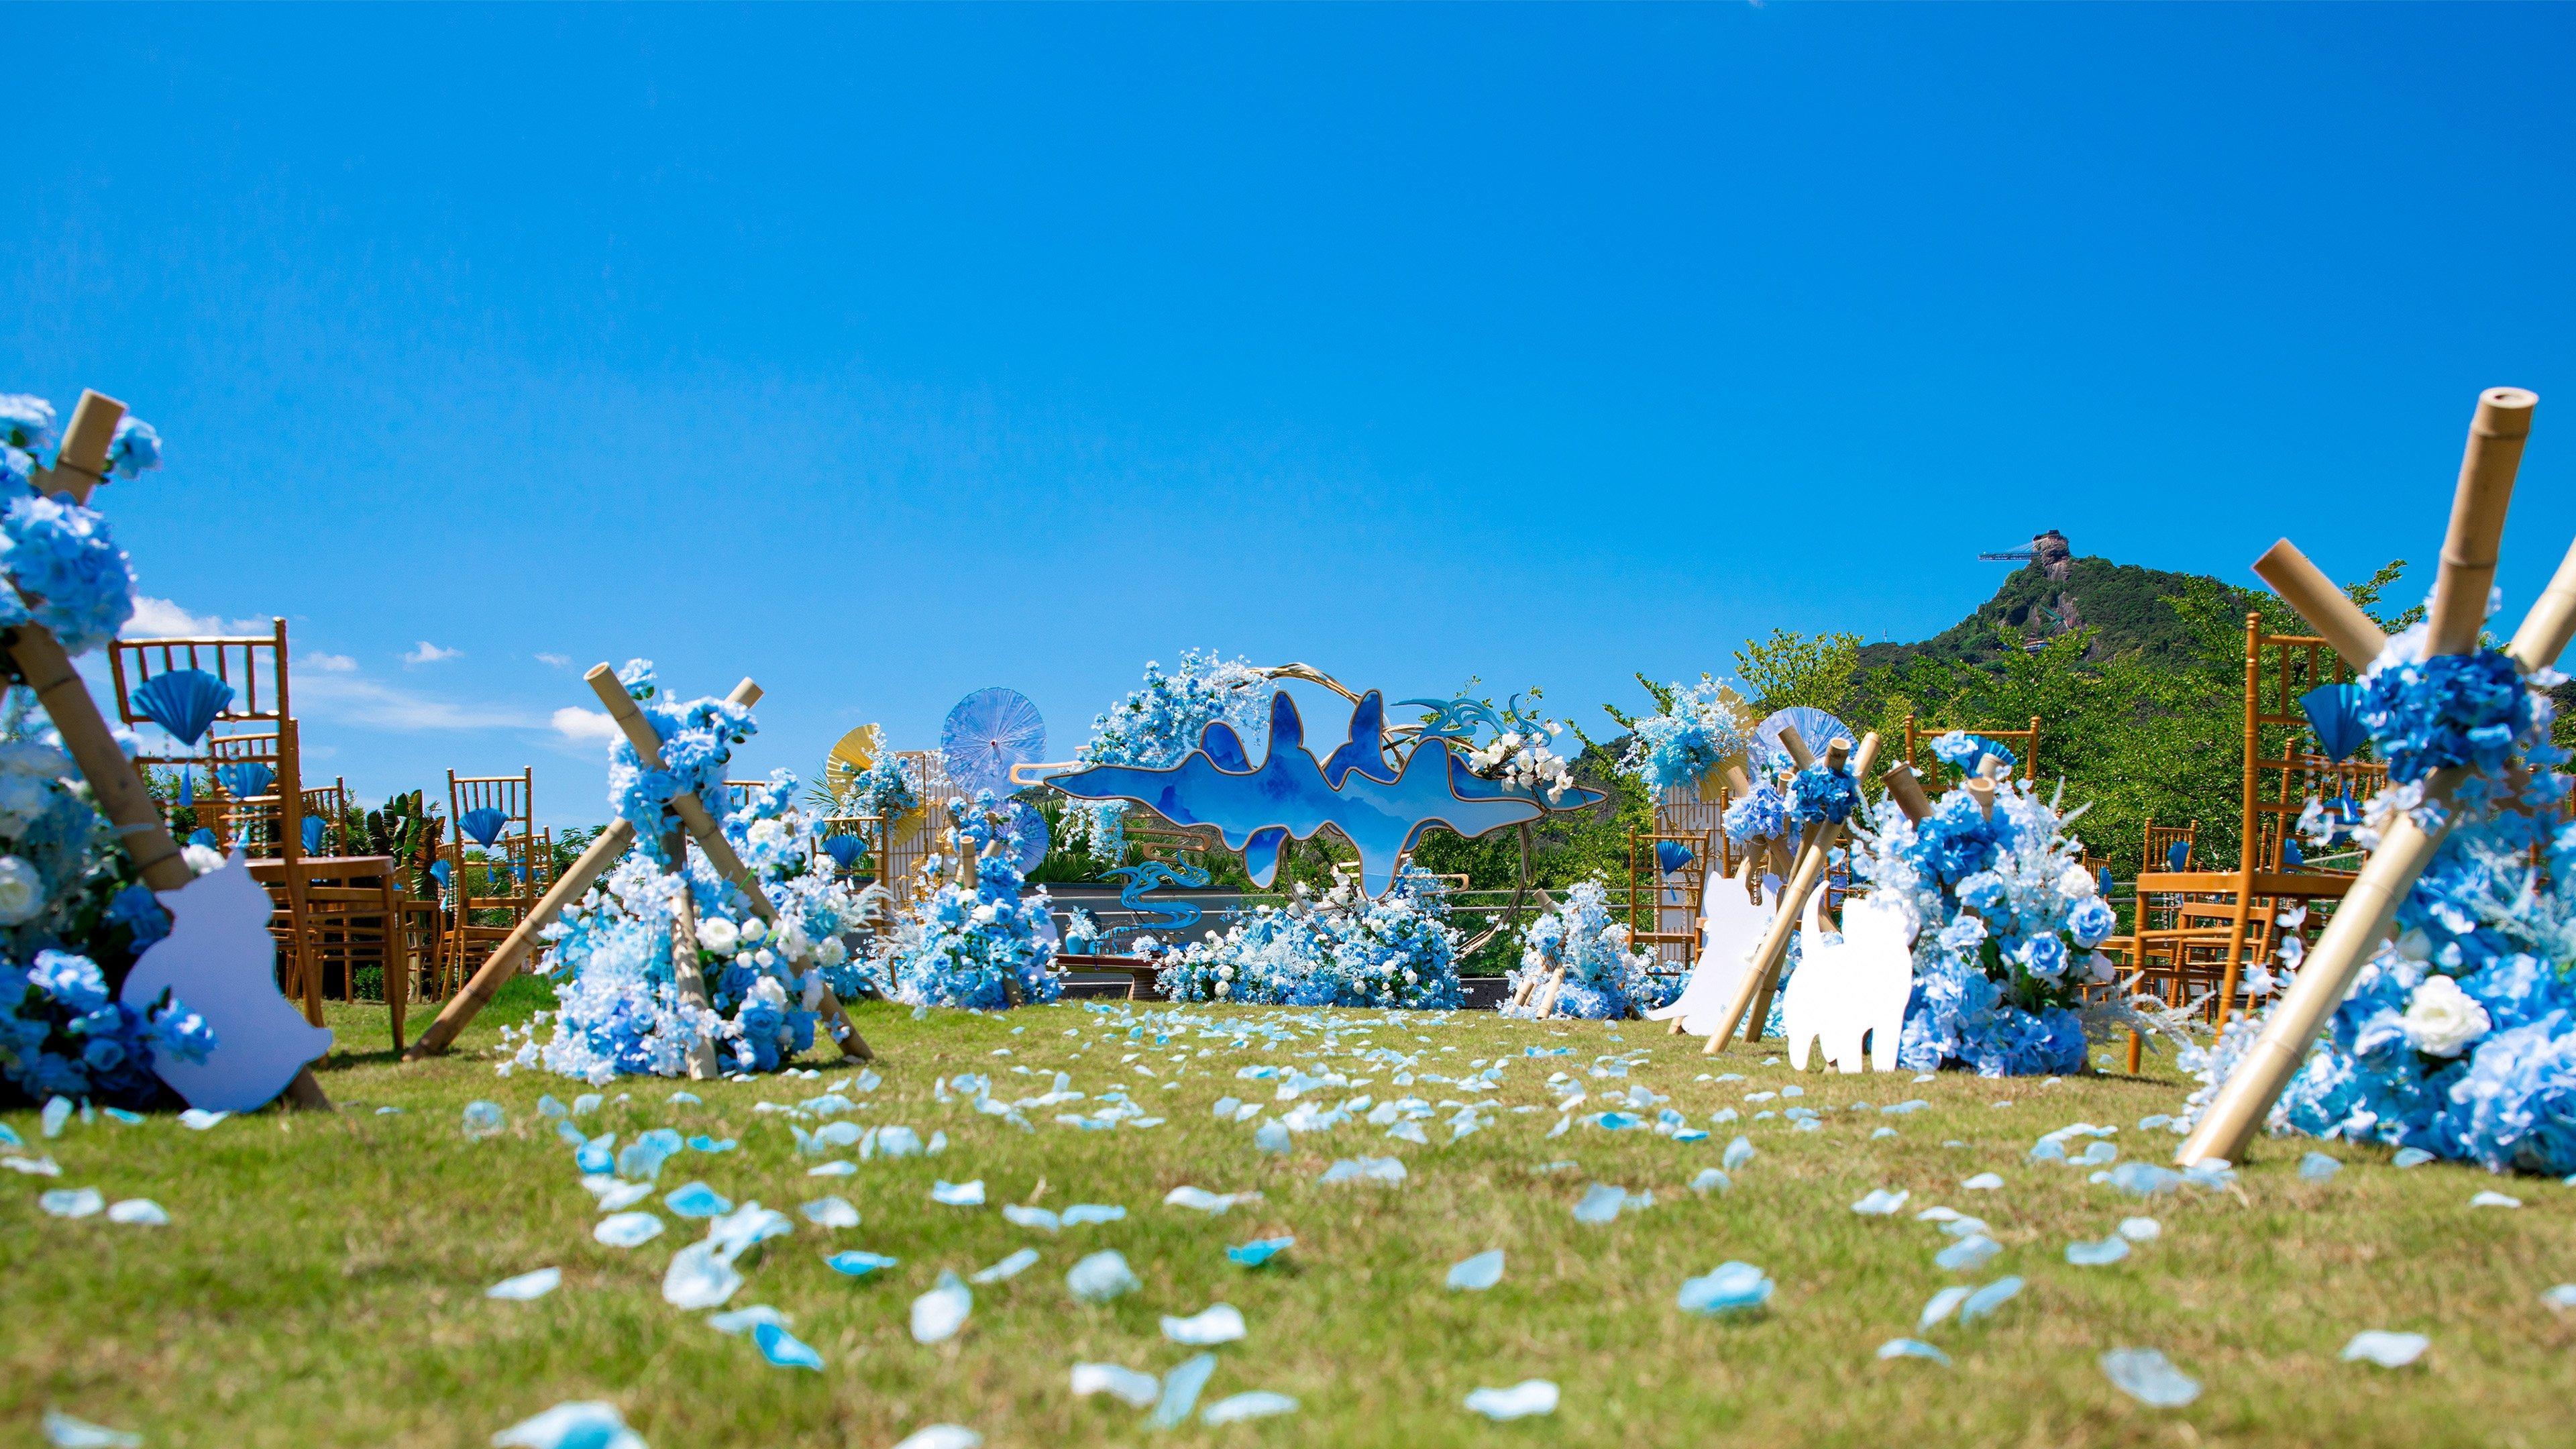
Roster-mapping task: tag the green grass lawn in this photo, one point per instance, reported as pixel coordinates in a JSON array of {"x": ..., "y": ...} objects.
[{"x": 321, "y": 1280}]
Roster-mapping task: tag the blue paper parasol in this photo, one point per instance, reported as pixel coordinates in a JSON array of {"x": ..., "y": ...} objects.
[
  {"x": 986, "y": 734},
  {"x": 183, "y": 701},
  {"x": 1027, "y": 835}
]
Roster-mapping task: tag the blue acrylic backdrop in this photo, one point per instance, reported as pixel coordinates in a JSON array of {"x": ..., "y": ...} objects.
[{"x": 1379, "y": 807}]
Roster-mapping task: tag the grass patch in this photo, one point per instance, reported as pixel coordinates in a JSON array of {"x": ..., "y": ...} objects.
[{"x": 321, "y": 1280}]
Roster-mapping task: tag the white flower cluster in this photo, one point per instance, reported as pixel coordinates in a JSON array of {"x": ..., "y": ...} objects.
[{"x": 1525, "y": 761}]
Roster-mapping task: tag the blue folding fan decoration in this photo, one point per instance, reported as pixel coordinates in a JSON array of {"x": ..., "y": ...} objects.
[
  {"x": 1815, "y": 727},
  {"x": 441, "y": 872},
  {"x": 845, "y": 850},
  {"x": 1672, "y": 855},
  {"x": 245, "y": 778},
  {"x": 2334, "y": 712},
  {"x": 2178, "y": 855},
  {"x": 483, "y": 824},
  {"x": 2103, "y": 876},
  {"x": 202, "y": 836},
  {"x": 2292, "y": 858},
  {"x": 312, "y": 835},
  {"x": 183, "y": 701}
]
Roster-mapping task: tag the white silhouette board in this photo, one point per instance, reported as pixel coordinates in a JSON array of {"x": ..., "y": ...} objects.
[
  {"x": 1853, "y": 990},
  {"x": 1731, "y": 924},
  {"x": 221, "y": 963}
]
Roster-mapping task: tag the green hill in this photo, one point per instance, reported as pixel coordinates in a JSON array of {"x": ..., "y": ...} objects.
[{"x": 2056, "y": 592}]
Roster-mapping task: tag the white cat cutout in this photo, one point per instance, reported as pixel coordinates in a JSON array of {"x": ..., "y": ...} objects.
[
  {"x": 1731, "y": 925},
  {"x": 1854, "y": 989},
  {"x": 221, "y": 962}
]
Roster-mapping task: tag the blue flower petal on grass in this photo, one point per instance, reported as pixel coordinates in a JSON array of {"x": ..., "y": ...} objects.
[
  {"x": 65, "y": 1432},
  {"x": 1091, "y": 1212},
  {"x": 481, "y": 1120},
  {"x": 1520, "y": 1401},
  {"x": 831, "y": 1212},
  {"x": 1181, "y": 1392},
  {"x": 1968, "y": 1254},
  {"x": 704, "y": 1143},
  {"x": 1601, "y": 1203},
  {"x": 576, "y": 1425},
  {"x": 2095, "y": 1255},
  {"x": 2495, "y": 1199},
  {"x": 2149, "y": 1377},
  {"x": 2410, "y": 1157},
  {"x": 2141, "y": 1230},
  {"x": 958, "y": 1194},
  {"x": 627, "y": 1230},
  {"x": 1943, "y": 1304},
  {"x": 64, "y": 1202},
  {"x": 1215, "y": 1324},
  {"x": 1880, "y": 1202},
  {"x": 526, "y": 1286},
  {"x": 2317, "y": 1167},
  {"x": 2388, "y": 1350},
  {"x": 1132, "y": 1387},
  {"x": 1984, "y": 1182},
  {"x": 1101, "y": 1277},
  {"x": 1384, "y": 1171},
  {"x": 2144, "y": 1179},
  {"x": 1259, "y": 1251},
  {"x": 939, "y": 1313},
  {"x": 1010, "y": 1267},
  {"x": 856, "y": 1264},
  {"x": 140, "y": 1212},
  {"x": 941, "y": 1436},
  {"x": 697, "y": 1200},
  {"x": 1912, "y": 1348},
  {"x": 1730, "y": 1288},
  {"x": 1738, "y": 1153},
  {"x": 744, "y": 1320},
  {"x": 1710, "y": 1180},
  {"x": 1989, "y": 1298},
  {"x": 2561, "y": 1297},
  {"x": 1031, "y": 1217},
  {"x": 1476, "y": 1274},
  {"x": 1257, "y": 1404},
  {"x": 785, "y": 1349}
]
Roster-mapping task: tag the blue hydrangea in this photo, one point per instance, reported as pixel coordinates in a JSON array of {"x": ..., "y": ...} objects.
[
  {"x": 1158, "y": 724},
  {"x": 63, "y": 1034},
  {"x": 1603, "y": 979},
  {"x": 2452, "y": 709},
  {"x": 1969, "y": 753},
  {"x": 977, "y": 946},
  {"x": 64, "y": 571},
  {"x": 1681, "y": 745},
  {"x": 136, "y": 448},
  {"x": 1342, "y": 949},
  {"x": 1821, "y": 794},
  {"x": 1761, "y": 815}
]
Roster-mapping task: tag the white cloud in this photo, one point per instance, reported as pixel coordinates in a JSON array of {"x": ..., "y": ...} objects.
[
  {"x": 429, "y": 653},
  {"x": 559, "y": 661},
  {"x": 330, "y": 663},
  {"x": 354, "y": 699},
  {"x": 163, "y": 619},
  {"x": 584, "y": 724}
]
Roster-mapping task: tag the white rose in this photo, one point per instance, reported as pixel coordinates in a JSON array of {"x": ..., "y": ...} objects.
[
  {"x": 22, "y": 799},
  {"x": 754, "y": 929},
  {"x": 792, "y": 942},
  {"x": 719, "y": 935},
  {"x": 830, "y": 952},
  {"x": 203, "y": 859},
  {"x": 22, "y": 890},
  {"x": 2441, "y": 1018},
  {"x": 765, "y": 957},
  {"x": 767, "y": 833},
  {"x": 2077, "y": 883}
]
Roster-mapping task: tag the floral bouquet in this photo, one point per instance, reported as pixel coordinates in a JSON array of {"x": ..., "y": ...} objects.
[
  {"x": 1157, "y": 725},
  {"x": 1341, "y": 949},
  {"x": 1604, "y": 980},
  {"x": 1694, "y": 730},
  {"x": 982, "y": 946}
]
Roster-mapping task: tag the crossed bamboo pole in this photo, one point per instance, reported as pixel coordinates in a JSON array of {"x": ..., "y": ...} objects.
[
  {"x": 79, "y": 466},
  {"x": 2458, "y": 611},
  {"x": 603, "y": 852},
  {"x": 1763, "y": 977}
]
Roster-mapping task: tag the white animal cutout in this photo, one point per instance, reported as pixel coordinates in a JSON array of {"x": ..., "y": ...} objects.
[
  {"x": 1731, "y": 925},
  {"x": 222, "y": 963},
  {"x": 1854, "y": 989}
]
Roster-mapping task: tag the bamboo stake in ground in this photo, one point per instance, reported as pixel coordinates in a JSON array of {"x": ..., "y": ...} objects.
[
  {"x": 687, "y": 981},
  {"x": 46, "y": 666},
  {"x": 701, "y": 824},
  {"x": 2469, "y": 549},
  {"x": 521, "y": 943},
  {"x": 1810, "y": 870}
]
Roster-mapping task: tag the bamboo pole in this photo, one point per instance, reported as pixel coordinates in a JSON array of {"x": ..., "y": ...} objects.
[
  {"x": 2469, "y": 548},
  {"x": 47, "y": 669},
  {"x": 687, "y": 980},
  {"x": 2304, "y": 587},
  {"x": 1810, "y": 869},
  {"x": 521, "y": 943},
  {"x": 701, "y": 824},
  {"x": 1906, "y": 789}
]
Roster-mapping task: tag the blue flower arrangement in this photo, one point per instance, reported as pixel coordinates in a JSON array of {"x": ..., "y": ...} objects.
[
  {"x": 618, "y": 1010},
  {"x": 63, "y": 1034},
  {"x": 1821, "y": 794},
  {"x": 1604, "y": 979},
  {"x": 1341, "y": 949},
  {"x": 2459, "y": 1036},
  {"x": 1762, "y": 815},
  {"x": 1158, "y": 724},
  {"x": 883, "y": 790},
  {"x": 975, "y": 946},
  {"x": 1675, "y": 748},
  {"x": 2008, "y": 920},
  {"x": 60, "y": 566},
  {"x": 1969, "y": 753}
]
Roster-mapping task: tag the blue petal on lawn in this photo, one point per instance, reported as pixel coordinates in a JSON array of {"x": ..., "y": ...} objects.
[
  {"x": 1943, "y": 1304},
  {"x": 1010, "y": 1267},
  {"x": 1738, "y": 1153},
  {"x": 2141, "y": 1230},
  {"x": 1601, "y": 1203},
  {"x": 626, "y": 1230},
  {"x": 831, "y": 1212},
  {"x": 785, "y": 1349},
  {"x": 1880, "y": 1202},
  {"x": 2149, "y": 1377},
  {"x": 697, "y": 1200},
  {"x": 1710, "y": 1180},
  {"x": 1130, "y": 1386},
  {"x": 1181, "y": 1392},
  {"x": 1259, "y": 1251},
  {"x": 1989, "y": 1298},
  {"x": 1478, "y": 1273},
  {"x": 482, "y": 1119},
  {"x": 1215, "y": 1324},
  {"x": 1039, "y": 1218},
  {"x": 1912, "y": 1348},
  {"x": 2317, "y": 1167},
  {"x": 1271, "y": 1137},
  {"x": 1258, "y": 1404},
  {"x": 1731, "y": 1288},
  {"x": 939, "y": 1313},
  {"x": 1968, "y": 1254},
  {"x": 2410, "y": 1157},
  {"x": 2094, "y": 1255},
  {"x": 2388, "y": 1350},
  {"x": 2144, "y": 1179},
  {"x": 65, "y": 1432},
  {"x": 526, "y": 1286},
  {"x": 744, "y": 1320},
  {"x": 1101, "y": 1277},
  {"x": 1092, "y": 1212},
  {"x": 1520, "y": 1401},
  {"x": 857, "y": 1264},
  {"x": 958, "y": 1194}
]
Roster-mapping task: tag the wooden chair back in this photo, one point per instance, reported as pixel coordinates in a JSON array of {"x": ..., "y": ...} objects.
[{"x": 2024, "y": 743}]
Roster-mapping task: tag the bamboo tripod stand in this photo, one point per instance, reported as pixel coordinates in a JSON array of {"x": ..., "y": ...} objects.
[{"x": 41, "y": 661}]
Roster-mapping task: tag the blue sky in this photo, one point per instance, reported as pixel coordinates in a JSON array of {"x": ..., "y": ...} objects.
[{"x": 884, "y": 354}]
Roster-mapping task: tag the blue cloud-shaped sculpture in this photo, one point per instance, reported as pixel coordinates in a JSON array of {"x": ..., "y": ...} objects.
[{"x": 1379, "y": 807}]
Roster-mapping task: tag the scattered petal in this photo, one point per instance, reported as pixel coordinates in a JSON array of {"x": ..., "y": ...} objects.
[
  {"x": 744, "y": 1320},
  {"x": 1880, "y": 1203},
  {"x": 2143, "y": 1179},
  {"x": 1943, "y": 1304},
  {"x": 1730, "y": 1288},
  {"x": 1101, "y": 1277},
  {"x": 1738, "y": 1153},
  {"x": 856, "y": 1264},
  {"x": 958, "y": 1194},
  {"x": 2410, "y": 1157},
  {"x": 65, "y": 1202},
  {"x": 834, "y": 1169},
  {"x": 1010, "y": 1267},
  {"x": 700, "y": 1276},
  {"x": 1520, "y": 1401},
  {"x": 580, "y": 1425},
  {"x": 1912, "y": 1348},
  {"x": 2562, "y": 1297},
  {"x": 1601, "y": 1203},
  {"x": 1478, "y": 1273},
  {"x": 141, "y": 1212},
  {"x": 1181, "y": 1392},
  {"x": 1710, "y": 1180},
  {"x": 1204, "y": 1200},
  {"x": 697, "y": 1200},
  {"x": 1259, "y": 1251},
  {"x": 1983, "y": 1182},
  {"x": 1968, "y": 1254},
  {"x": 1092, "y": 1212},
  {"x": 1271, "y": 1137},
  {"x": 2388, "y": 1350},
  {"x": 784, "y": 1349},
  {"x": 1989, "y": 1298},
  {"x": 197, "y": 1119},
  {"x": 1218, "y": 1323},
  {"x": 1129, "y": 1386},
  {"x": 2095, "y": 1255},
  {"x": 2141, "y": 1230},
  {"x": 942, "y": 1436},
  {"x": 2317, "y": 1167},
  {"x": 527, "y": 1286},
  {"x": 1258, "y": 1404},
  {"x": 831, "y": 1212},
  {"x": 2148, "y": 1377},
  {"x": 482, "y": 1119},
  {"x": 939, "y": 1313},
  {"x": 1385, "y": 1171},
  {"x": 2495, "y": 1199},
  {"x": 65, "y": 1432},
  {"x": 626, "y": 1230}
]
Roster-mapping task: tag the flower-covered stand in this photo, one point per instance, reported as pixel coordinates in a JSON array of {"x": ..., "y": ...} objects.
[
  {"x": 2451, "y": 768},
  {"x": 1752, "y": 1004}
]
